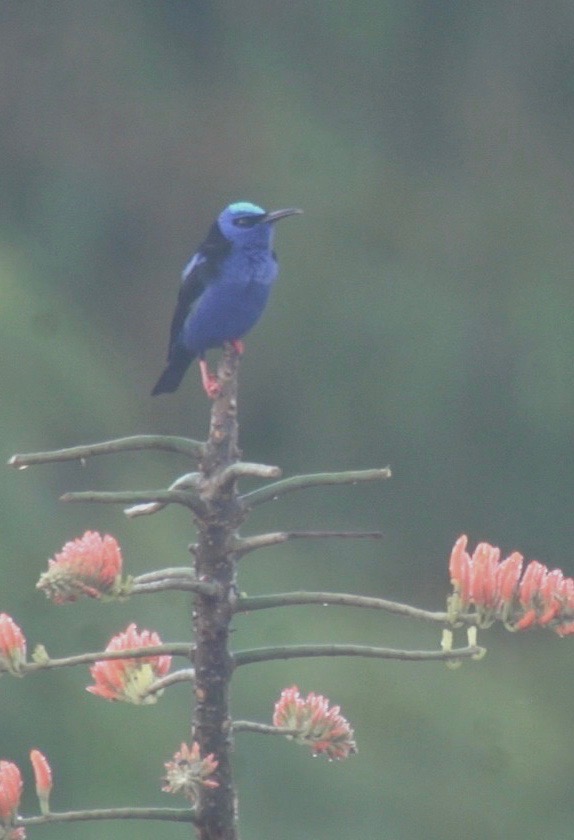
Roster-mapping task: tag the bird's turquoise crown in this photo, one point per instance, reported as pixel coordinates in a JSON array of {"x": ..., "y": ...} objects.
[{"x": 245, "y": 207}]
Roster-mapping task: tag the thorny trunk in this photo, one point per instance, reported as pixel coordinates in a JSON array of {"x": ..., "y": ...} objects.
[{"x": 215, "y": 562}]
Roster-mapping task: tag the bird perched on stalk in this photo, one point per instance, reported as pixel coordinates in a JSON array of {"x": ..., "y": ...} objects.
[{"x": 223, "y": 292}]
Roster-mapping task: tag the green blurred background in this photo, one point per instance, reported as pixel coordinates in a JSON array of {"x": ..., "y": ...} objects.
[{"x": 423, "y": 318}]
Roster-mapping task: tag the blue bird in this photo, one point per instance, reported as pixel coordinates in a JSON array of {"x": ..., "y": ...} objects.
[{"x": 224, "y": 289}]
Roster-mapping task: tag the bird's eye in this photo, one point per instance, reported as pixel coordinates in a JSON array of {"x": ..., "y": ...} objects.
[{"x": 246, "y": 221}]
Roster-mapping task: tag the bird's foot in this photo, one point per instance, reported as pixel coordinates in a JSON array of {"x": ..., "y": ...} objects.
[
  {"x": 209, "y": 381},
  {"x": 238, "y": 346}
]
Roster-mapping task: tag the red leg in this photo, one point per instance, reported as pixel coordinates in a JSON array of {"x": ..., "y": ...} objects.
[
  {"x": 209, "y": 381},
  {"x": 238, "y": 346}
]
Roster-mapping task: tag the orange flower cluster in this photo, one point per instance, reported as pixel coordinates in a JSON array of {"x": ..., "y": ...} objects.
[
  {"x": 12, "y": 645},
  {"x": 130, "y": 679},
  {"x": 43, "y": 779},
  {"x": 314, "y": 723},
  {"x": 188, "y": 772},
  {"x": 498, "y": 589},
  {"x": 90, "y": 566},
  {"x": 11, "y": 792}
]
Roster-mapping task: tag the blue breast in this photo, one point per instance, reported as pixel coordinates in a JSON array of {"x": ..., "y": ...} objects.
[{"x": 231, "y": 306}]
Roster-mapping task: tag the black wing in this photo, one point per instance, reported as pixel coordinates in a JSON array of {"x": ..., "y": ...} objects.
[{"x": 200, "y": 271}]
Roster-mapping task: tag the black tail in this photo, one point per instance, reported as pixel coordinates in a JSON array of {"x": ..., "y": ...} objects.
[{"x": 170, "y": 379}]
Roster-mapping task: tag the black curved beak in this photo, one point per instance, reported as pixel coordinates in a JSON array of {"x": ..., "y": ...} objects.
[{"x": 275, "y": 215}]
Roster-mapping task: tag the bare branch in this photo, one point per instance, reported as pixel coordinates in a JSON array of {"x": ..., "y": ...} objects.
[
  {"x": 163, "y": 574},
  {"x": 341, "y": 599},
  {"x": 243, "y": 545},
  {"x": 262, "y": 728},
  {"x": 44, "y": 662},
  {"x": 302, "y": 482},
  {"x": 184, "y": 675},
  {"x": 248, "y": 657},
  {"x": 145, "y": 509},
  {"x": 184, "y": 482},
  {"x": 181, "y": 584},
  {"x": 167, "y": 443},
  {"x": 167, "y": 814},
  {"x": 123, "y": 497},
  {"x": 242, "y": 469}
]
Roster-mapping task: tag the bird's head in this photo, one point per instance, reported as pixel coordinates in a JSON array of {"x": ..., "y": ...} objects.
[{"x": 246, "y": 222}]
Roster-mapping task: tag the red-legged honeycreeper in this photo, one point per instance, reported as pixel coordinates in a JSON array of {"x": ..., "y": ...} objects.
[{"x": 223, "y": 292}]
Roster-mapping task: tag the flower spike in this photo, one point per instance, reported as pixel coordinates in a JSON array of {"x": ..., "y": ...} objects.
[
  {"x": 12, "y": 645},
  {"x": 43, "y": 778},
  {"x": 320, "y": 727},
  {"x": 90, "y": 566},
  {"x": 10, "y": 792},
  {"x": 130, "y": 679},
  {"x": 188, "y": 772},
  {"x": 492, "y": 590}
]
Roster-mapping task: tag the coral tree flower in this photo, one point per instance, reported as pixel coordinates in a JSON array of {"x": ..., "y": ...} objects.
[
  {"x": 10, "y": 833},
  {"x": 498, "y": 590},
  {"x": 10, "y": 793},
  {"x": 187, "y": 772},
  {"x": 315, "y": 724},
  {"x": 12, "y": 645},
  {"x": 90, "y": 565},
  {"x": 130, "y": 679},
  {"x": 43, "y": 778}
]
